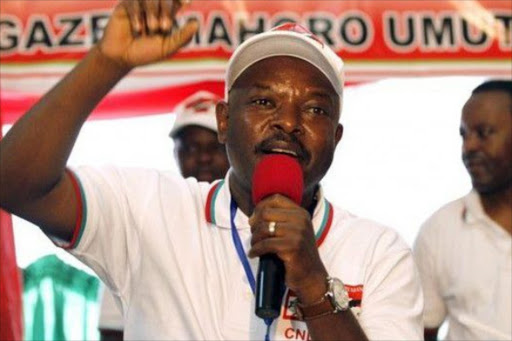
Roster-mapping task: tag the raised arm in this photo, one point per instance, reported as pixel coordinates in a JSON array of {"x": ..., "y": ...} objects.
[{"x": 34, "y": 153}]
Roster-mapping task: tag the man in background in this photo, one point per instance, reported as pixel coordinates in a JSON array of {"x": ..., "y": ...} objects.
[
  {"x": 463, "y": 251},
  {"x": 196, "y": 146},
  {"x": 200, "y": 155}
]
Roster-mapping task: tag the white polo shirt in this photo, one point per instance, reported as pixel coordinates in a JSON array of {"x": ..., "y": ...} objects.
[
  {"x": 465, "y": 260},
  {"x": 164, "y": 246},
  {"x": 111, "y": 317}
]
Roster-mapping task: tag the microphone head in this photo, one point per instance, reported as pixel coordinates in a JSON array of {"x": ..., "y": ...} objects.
[{"x": 277, "y": 174}]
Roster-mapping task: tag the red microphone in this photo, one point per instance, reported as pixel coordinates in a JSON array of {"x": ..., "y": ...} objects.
[{"x": 274, "y": 174}]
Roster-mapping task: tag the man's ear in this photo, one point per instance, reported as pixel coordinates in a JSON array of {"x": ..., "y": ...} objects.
[
  {"x": 339, "y": 133},
  {"x": 221, "y": 111}
]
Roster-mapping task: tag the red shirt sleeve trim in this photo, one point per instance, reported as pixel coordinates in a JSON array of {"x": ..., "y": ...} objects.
[{"x": 80, "y": 221}]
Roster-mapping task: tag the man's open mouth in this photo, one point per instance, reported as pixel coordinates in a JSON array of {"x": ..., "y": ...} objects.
[
  {"x": 281, "y": 151},
  {"x": 284, "y": 145}
]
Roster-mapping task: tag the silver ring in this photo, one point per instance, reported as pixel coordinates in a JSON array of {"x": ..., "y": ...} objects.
[{"x": 272, "y": 228}]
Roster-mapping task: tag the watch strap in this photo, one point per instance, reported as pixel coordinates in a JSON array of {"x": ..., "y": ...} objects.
[{"x": 318, "y": 309}]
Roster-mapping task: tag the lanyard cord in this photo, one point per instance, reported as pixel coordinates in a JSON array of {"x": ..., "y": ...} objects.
[{"x": 245, "y": 262}]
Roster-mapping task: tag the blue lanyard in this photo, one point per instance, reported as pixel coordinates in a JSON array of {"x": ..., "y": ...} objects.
[{"x": 245, "y": 262}]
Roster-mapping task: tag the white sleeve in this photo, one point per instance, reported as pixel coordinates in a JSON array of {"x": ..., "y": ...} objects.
[
  {"x": 110, "y": 313},
  {"x": 392, "y": 302},
  {"x": 426, "y": 260},
  {"x": 114, "y": 208}
]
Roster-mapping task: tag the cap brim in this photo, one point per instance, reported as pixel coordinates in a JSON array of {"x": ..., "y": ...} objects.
[{"x": 286, "y": 43}]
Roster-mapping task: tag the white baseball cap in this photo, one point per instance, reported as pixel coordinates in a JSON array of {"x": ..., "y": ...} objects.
[
  {"x": 197, "y": 109},
  {"x": 286, "y": 40}
]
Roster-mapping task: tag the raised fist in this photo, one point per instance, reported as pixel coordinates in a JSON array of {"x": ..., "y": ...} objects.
[{"x": 144, "y": 31}]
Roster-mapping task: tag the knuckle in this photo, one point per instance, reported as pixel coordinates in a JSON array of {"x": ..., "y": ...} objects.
[
  {"x": 175, "y": 40},
  {"x": 256, "y": 227},
  {"x": 166, "y": 5},
  {"x": 275, "y": 197},
  {"x": 266, "y": 215},
  {"x": 257, "y": 210},
  {"x": 178, "y": 3}
]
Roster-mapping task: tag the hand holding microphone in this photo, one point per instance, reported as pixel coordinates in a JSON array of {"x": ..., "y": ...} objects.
[
  {"x": 283, "y": 236},
  {"x": 274, "y": 174}
]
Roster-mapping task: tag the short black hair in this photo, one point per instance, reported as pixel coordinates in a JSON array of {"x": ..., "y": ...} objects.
[{"x": 494, "y": 85}]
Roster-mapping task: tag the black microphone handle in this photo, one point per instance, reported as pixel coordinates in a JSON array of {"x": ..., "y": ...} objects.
[{"x": 269, "y": 286}]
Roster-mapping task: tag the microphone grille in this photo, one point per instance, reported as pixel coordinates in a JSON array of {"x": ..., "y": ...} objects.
[{"x": 277, "y": 174}]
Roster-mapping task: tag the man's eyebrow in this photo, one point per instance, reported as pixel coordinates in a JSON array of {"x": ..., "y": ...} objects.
[
  {"x": 252, "y": 87},
  {"x": 260, "y": 86},
  {"x": 320, "y": 93},
  {"x": 314, "y": 92}
]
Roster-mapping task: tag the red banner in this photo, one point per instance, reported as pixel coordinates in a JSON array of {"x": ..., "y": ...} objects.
[
  {"x": 41, "y": 40},
  {"x": 11, "y": 326}
]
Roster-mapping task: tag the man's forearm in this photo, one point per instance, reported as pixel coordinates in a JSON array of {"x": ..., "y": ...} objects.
[
  {"x": 43, "y": 138},
  {"x": 340, "y": 326}
]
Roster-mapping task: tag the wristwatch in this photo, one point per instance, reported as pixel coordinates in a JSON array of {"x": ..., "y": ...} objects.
[{"x": 334, "y": 301}]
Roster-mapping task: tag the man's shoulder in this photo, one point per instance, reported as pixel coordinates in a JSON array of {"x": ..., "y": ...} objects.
[
  {"x": 363, "y": 231},
  {"x": 127, "y": 175},
  {"x": 139, "y": 183},
  {"x": 449, "y": 213},
  {"x": 444, "y": 223}
]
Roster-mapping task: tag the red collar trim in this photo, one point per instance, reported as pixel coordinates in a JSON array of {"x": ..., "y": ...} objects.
[
  {"x": 324, "y": 230},
  {"x": 209, "y": 210}
]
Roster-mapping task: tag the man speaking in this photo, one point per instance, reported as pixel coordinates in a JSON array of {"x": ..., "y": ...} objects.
[{"x": 181, "y": 255}]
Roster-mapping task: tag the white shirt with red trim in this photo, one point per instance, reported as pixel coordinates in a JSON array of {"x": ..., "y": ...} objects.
[
  {"x": 163, "y": 245},
  {"x": 465, "y": 263}
]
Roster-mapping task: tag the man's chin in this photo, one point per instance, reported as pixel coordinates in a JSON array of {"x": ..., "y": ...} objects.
[{"x": 486, "y": 187}]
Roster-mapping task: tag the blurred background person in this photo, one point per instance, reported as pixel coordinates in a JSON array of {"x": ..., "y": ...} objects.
[
  {"x": 196, "y": 147},
  {"x": 463, "y": 251},
  {"x": 198, "y": 154}
]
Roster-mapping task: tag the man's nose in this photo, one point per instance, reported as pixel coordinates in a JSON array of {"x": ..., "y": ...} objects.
[
  {"x": 288, "y": 119},
  {"x": 205, "y": 155},
  {"x": 470, "y": 143}
]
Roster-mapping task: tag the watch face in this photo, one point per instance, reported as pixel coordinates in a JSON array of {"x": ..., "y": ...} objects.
[{"x": 340, "y": 294}]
